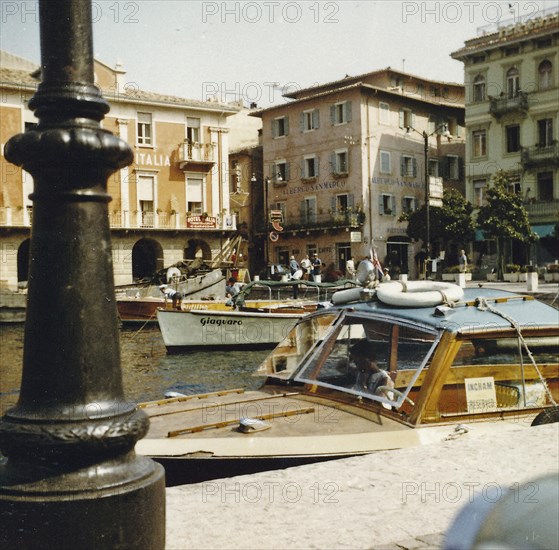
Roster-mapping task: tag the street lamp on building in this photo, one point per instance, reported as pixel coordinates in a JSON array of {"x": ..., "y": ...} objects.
[
  {"x": 277, "y": 178},
  {"x": 441, "y": 129}
]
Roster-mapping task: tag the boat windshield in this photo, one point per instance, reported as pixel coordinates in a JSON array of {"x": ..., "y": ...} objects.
[
  {"x": 292, "y": 350},
  {"x": 377, "y": 358}
]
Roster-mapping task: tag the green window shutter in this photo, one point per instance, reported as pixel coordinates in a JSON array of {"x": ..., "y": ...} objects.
[
  {"x": 302, "y": 122},
  {"x": 393, "y": 204},
  {"x": 316, "y": 118},
  {"x": 303, "y": 171},
  {"x": 287, "y": 171},
  {"x": 402, "y": 166},
  {"x": 333, "y": 114},
  {"x": 286, "y": 125},
  {"x": 333, "y": 203},
  {"x": 414, "y": 167},
  {"x": 316, "y": 166},
  {"x": 347, "y": 108},
  {"x": 274, "y": 128},
  {"x": 333, "y": 162},
  {"x": 350, "y": 200},
  {"x": 380, "y": 205}
]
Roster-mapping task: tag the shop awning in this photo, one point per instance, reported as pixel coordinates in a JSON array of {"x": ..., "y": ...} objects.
[
  {"x": 544, "y": 230},
  {"x": 480, "y": 235}
]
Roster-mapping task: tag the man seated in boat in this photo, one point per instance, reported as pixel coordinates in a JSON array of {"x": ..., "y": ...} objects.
[
  {"x": 368, "y": 376},
  {"x": 171, "y": 294}
]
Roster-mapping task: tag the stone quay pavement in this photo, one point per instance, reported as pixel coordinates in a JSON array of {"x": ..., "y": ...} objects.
[
  {"x": 389, "y": 500},
  {"x": 401, "y": 499}
]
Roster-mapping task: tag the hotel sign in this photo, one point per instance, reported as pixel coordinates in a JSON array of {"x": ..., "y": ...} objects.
[
  {"x": 201, "y": 222},
  {"x": 312, "y": 187}
]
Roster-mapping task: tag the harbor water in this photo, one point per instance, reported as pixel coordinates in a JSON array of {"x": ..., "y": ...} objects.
[{"x": 147, "y": 370}]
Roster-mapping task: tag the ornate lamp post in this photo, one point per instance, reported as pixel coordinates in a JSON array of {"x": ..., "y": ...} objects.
[
  {"x": 72, "y": 479},
  {"x": 426, "y": 137}
]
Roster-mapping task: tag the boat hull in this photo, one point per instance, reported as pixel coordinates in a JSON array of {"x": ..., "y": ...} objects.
[
  {"x": 183, "y": 330},
  {"x": 137, "y": 304}
]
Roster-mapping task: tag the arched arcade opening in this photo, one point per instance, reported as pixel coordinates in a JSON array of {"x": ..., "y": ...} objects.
[{"x": 147, "y": 258}]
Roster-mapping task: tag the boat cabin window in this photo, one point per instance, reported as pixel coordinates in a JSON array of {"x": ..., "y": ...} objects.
[
  {"x": 497, "y": 374},
  {"x": 290, "y": 352},
  {"x": 368, "y": 357}
]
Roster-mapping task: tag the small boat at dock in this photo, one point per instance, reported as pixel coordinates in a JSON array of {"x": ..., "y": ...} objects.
[
  {"x": 365, "y": 375},
  {"x": 247, "y": 324},
  {"x": 137, "y": 302},
  {"x": 255, "y": 326}
]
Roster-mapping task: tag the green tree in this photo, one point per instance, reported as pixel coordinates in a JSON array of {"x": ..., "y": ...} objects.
[
  {"x": 504, "y": 217},
  {"x": 451, "y": 223}
]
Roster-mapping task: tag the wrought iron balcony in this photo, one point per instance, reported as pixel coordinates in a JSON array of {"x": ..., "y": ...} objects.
[
  {"x": 540, "y": 155},
  {"x": 193, "y": 154},
  {"x": 542, "y": 211},
  {"x": 498, "y": 106},
  {"x": 339, "y": 219}
]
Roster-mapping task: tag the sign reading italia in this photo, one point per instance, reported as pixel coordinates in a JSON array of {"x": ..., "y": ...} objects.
[
  {"x": 201, "y": 222},
  {"x": 152, "y": 159}
]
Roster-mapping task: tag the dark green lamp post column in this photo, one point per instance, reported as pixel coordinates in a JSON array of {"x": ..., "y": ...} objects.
[{"x": 72, "y": 479}]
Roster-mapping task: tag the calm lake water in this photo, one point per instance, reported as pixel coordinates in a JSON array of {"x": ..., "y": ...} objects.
[{"x": 147, "y": 370}]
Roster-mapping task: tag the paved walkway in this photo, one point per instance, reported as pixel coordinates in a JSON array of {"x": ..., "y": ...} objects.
[{"x": 398, "y": 499}]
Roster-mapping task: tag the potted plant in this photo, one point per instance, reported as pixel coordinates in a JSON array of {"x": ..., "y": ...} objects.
[
  {"x": 511, "y": 273},
  {"x": 523, "y": 274},
  {"x": 450, "y": 273},
  {"x": 552, "y": 273}
]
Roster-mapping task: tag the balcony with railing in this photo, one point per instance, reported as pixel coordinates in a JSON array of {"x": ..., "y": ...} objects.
[
  {"x": 161, "y": 220},
  {"x": 543, "y": 211},
  {"x": 539, "y": 155},
  {"x": 196, "y": 155},
  {"x": 499, "y": 106},
  {"x": 333, "y": 220},
  {"x": 125, "y": 219}
]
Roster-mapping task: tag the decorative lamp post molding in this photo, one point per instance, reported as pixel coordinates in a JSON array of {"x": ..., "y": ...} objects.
[{"x": 72, "y": 479}]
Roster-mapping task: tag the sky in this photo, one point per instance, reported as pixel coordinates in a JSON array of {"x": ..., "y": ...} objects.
[{"x": 257, "y": 50}]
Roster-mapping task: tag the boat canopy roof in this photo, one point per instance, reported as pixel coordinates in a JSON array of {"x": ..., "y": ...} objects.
[{"x": 469, "y": 315}]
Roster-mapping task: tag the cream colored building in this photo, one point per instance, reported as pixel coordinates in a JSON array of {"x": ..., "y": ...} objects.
[
  {"x": 345, "y": 159},
  {"x": 172, "y": 203},
  {"x": 512, "y": 121}
]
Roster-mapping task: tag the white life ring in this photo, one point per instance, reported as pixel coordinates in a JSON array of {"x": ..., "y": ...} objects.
[{"x": 419, "y": 293}]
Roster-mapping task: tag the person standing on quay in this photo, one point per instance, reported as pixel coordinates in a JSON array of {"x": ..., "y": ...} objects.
[
  {"x": 350, "y": 269},
  {"x": 306, "y": 265},
  {"x": 462, "y": 261},
  {"x": 316, "y": 265}
]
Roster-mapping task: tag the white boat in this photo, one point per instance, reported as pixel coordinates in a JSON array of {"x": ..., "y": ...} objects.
[{"x": 248, "y": 327}]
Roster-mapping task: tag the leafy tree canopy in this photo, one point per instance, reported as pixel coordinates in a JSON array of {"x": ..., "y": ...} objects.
[
  {"x": 504, "y": 215},
  {"x": 450, "y": 223}
]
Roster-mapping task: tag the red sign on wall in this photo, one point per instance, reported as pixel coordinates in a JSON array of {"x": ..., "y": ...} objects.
[{"x": 201, "y": 222}]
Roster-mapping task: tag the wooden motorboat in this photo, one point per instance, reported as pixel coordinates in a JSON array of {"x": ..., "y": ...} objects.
[
  {"x": 138, "y": 303},
  {"x": 256, "y": 324},
  {"x": 490, "y": 358}
]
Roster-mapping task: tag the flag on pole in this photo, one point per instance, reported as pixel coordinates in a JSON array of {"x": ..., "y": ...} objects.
[{"x": 377, "y": 265}]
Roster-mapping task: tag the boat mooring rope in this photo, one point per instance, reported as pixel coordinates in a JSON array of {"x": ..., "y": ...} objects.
[{"x": 483, "y": 305}]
